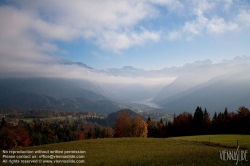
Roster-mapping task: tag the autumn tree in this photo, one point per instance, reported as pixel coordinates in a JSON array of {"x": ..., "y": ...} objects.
[
  {"x": 183, "y": 124},
  {"x": 22, "y": 137},
  {"x": 122, "y": 125},
  {"x": 138, "y": 127},
  {"x": 7, "y": 138},
  {"x": 129, "y": 127},
  {"x": 108, "y": 132},
  {"x": 161, "y": 129},
  {"x": 206, "y": 123}
]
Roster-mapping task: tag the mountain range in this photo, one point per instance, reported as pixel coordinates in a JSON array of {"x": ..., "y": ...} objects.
[
  {"x": 211, "y": 85},
  {"x": 48, "y": 93},
  {"x": 231, "y": 90}
]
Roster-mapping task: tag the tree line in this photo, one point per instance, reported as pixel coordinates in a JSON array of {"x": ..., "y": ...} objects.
[
  {"x": 39, "y": 132},
  {"x": 18, "y": 113},
  {"x": 200, "y": 123}
]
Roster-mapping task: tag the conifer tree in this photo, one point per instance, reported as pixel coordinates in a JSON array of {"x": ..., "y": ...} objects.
[
  {"x": 197, "y": 120},
  {"x": 3, "y": 122},
  {"x": 149, "y": 119},
  {"x": 226, "y": 112}
]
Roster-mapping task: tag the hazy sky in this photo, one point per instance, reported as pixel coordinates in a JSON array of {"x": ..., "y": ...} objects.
[{"x": 112, "y": 34}]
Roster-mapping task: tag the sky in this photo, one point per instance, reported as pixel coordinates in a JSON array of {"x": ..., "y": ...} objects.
[{"x": 102, "y": 34}]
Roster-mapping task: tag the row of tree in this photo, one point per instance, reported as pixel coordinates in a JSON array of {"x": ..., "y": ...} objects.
[
  {"x": 18, "y": 113},
  {"x": 13, "y": 137},
  {"x": 200, "y": 123},
  {"x": 40, "y": 132}
]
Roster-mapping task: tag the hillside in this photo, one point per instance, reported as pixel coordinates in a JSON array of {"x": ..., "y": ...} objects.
[
  {"x": 112, "y": 116},
  {"x": 54, "y": 87},
  {"x": 191, "y": 78},
  {"x": 215, "y": 95},
  {"x": 213, "y": 87},
  {"x": 46, "y": 93}
]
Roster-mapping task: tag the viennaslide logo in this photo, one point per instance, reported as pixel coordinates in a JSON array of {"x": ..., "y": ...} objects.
[{"x": 234, "y": 155}]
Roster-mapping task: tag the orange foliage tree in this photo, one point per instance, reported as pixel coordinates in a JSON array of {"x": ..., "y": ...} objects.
[
  {"x": 138, "y": 127},
  {"x": 122, "y": 125},
  {"x": 129, "y": 127}
]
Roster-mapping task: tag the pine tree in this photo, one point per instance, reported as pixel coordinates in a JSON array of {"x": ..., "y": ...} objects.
[
  {"x": 161, "y": 121},
  {"x": 226, "y": 112},
  {"x": 215, "y": 116},
  {"x": 90, "y": 135},
  {"x": 149, "y": 119},
  {"x": 198, "y": 120},
  {"x": 3, "y": 122}
]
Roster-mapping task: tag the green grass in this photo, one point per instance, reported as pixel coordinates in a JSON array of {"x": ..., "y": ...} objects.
[
  {"x": 28, "y": 120},
  {"x": 144, "y": 151},
  {"x": 224, "y": 140}
]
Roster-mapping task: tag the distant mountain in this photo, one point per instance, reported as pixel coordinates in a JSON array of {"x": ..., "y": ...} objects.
[
  {"x": 26, "y": 100},
  {"x": 126, "y": 71},
  {"x": 191, "y": 78},
  {"x": 54, "y": 87},
  {"x": 48, "y": 93},
  {"x": 129, "y": 71},
  {"x": 68, "y": 62},
  {"x": 196, "y": 64},
  {"x": 202, "y": 83},
  {"x": 214, "y": 86}
]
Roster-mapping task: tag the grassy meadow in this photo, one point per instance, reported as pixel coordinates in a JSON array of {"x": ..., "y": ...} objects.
[
  {"x": 222, "y": 140},
  {"x": 177, "y": 151}
]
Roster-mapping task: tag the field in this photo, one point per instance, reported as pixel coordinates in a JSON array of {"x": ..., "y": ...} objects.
[
  {"x": 242, "y": 141},
  {"x": 178, "y": 151}
]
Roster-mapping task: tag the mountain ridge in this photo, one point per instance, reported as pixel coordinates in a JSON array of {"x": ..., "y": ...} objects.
[{"x": 215, "y": 94}]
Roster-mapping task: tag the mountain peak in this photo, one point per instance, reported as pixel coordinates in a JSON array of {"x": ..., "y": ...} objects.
[
  {"x": 128, "y": 67},
  {"x": 198, "y": 63},
  {"x": 241, "y": 57}
]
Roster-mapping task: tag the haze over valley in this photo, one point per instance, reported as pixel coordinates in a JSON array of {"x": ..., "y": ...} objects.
[{"x": 209, "y": 85}]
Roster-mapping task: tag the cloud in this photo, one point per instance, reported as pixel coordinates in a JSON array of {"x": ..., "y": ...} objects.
[
  {"x": 172, "y": 5},
  {"x": 118, "y": 41},
  {"x": 17, "y": 44},
  {"x": 202, "y": 6},
  {"x": 26, "y": 40},
  {"x": 244, "y": 17},
  {"x": 31, "y": 29},
  {"x": 205, "y": 20},
  {"x": 218, "y": 25},
  {"x": 201, "y": 26},
  {"x": 56, "y": 70},
  {"x": 227, "y": 4},
  {"x": 174, "y": 35},
  {"x": 90, "y": 20}
]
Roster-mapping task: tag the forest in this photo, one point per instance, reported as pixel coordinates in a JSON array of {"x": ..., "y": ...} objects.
[
  {"x": 39, "y": 132},
  {"x": 200, "y": 123}
]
